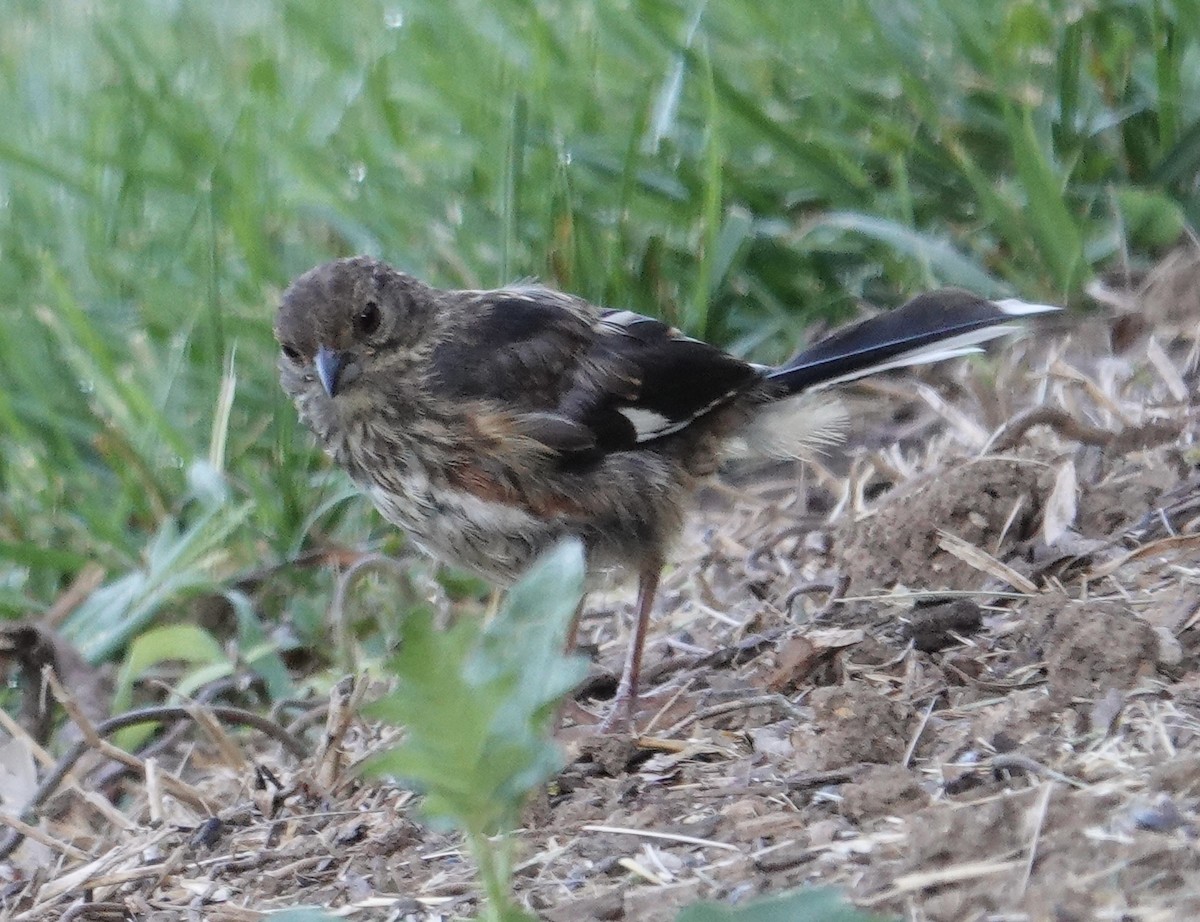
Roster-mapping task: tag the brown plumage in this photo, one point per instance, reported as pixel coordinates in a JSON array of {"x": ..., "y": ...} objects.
[{"x": 491, "y": 424}]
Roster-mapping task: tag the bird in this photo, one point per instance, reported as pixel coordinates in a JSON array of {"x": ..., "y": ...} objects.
[{"x": 492, "y": 424}]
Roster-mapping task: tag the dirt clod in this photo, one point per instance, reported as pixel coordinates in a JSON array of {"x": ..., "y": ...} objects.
[
  {"x": 611, "y": 753},
  {"x": 898, "y": 543},
  {"x": 851, "y": 725},
  {"x": 883, "y": 790},
  {"x": 935, "y": 626},
  {"x": 1097, "y": 646}
]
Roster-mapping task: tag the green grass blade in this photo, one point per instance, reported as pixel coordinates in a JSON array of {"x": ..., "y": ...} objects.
[{"x": 1051, "y": 222}]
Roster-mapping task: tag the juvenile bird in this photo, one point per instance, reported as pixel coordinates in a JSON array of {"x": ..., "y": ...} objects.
[{"x": 491, "y": 424}]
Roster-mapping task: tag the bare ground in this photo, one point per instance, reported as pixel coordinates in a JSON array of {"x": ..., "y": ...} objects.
[{"x": 954, "y": 673}]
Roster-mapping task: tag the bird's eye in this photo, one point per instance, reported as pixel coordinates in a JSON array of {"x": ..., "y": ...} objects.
[
  {"x": 367, "y": 320},
  {"x": 291, "y": 353}
]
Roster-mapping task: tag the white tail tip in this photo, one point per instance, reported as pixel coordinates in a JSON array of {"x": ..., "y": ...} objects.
[{"x": 1016, "y": 308}]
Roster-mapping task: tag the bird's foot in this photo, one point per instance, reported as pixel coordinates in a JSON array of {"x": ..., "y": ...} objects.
[
  {"x": 619, "y": 719},
  {"x": 621, "y": 711}
]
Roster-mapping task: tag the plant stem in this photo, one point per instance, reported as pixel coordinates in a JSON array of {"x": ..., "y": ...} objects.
[{"x": 495, "y": 870}]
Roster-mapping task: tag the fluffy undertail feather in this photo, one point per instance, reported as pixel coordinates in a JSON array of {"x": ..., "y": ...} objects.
[
  {"x": 929, "y": 328},
  {"x": 795, "y": 428}
]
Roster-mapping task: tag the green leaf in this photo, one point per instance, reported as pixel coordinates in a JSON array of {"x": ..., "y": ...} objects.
[
  {"x": 706, "y": 272},
  {"x": 1054, "y": 228},
  {"x": 947, "y": 264},
  {"x": 477, "y": 703},
  {"x": 1152, "y": 220},
  {"x": 1027, "y": 26},
  {"x": 175, "y": 642},
  {"x": 820, "y": 905},
  {"x": 255, "y": 648},
  {"x": 179, "y": 562},
  {"x": 481, "y": 699},
  {"x": 1181, "y": 161}
]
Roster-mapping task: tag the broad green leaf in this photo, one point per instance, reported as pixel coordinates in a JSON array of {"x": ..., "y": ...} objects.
[
  {"x": 171, "y": 643},
  {"x": 481, "y": 698},
  {"x": 174, "y": 642}
]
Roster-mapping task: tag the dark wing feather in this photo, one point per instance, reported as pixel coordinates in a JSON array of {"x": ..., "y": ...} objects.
[
  {"x": 644, "y": 380},
  {"x": 516, "y": 348},
  {"x": 585, "y": 380}
]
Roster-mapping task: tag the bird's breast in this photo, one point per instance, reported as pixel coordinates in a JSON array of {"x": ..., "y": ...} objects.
[{"x": 493, "y": 539}]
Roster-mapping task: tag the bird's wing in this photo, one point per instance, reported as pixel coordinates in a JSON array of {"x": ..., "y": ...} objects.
[
  {"x": 642, "y": 380},
  {"x": 580, "y": 379}
]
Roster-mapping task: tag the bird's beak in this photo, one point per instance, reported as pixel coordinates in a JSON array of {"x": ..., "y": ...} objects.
[{"x": 329, "y": 365}]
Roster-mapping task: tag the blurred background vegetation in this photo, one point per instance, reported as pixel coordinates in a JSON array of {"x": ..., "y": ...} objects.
[{"x": 739, "y": 167}]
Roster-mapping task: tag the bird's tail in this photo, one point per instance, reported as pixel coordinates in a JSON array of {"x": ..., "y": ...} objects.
[
  {"x": 800, "y": 419},
  {"x": 931, "y": 327}
]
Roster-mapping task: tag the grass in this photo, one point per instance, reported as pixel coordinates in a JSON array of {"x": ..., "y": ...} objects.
[{"x": 738, "y": 167}]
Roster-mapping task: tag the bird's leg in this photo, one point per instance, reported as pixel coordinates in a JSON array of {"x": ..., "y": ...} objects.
[
  {"x": 568, "y": 705},
  {"x": 573, "y": 627},
  {"x": 624, "y": 703}
]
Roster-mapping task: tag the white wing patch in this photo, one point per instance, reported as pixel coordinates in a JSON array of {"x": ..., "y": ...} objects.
[{"x": 650, "y": 425}]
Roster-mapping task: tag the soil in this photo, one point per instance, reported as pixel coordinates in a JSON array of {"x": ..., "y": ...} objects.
[{"x": 956, "y": 675}]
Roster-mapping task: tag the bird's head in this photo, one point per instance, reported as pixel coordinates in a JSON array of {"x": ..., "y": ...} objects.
[{"x": 349, "y": 331}]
